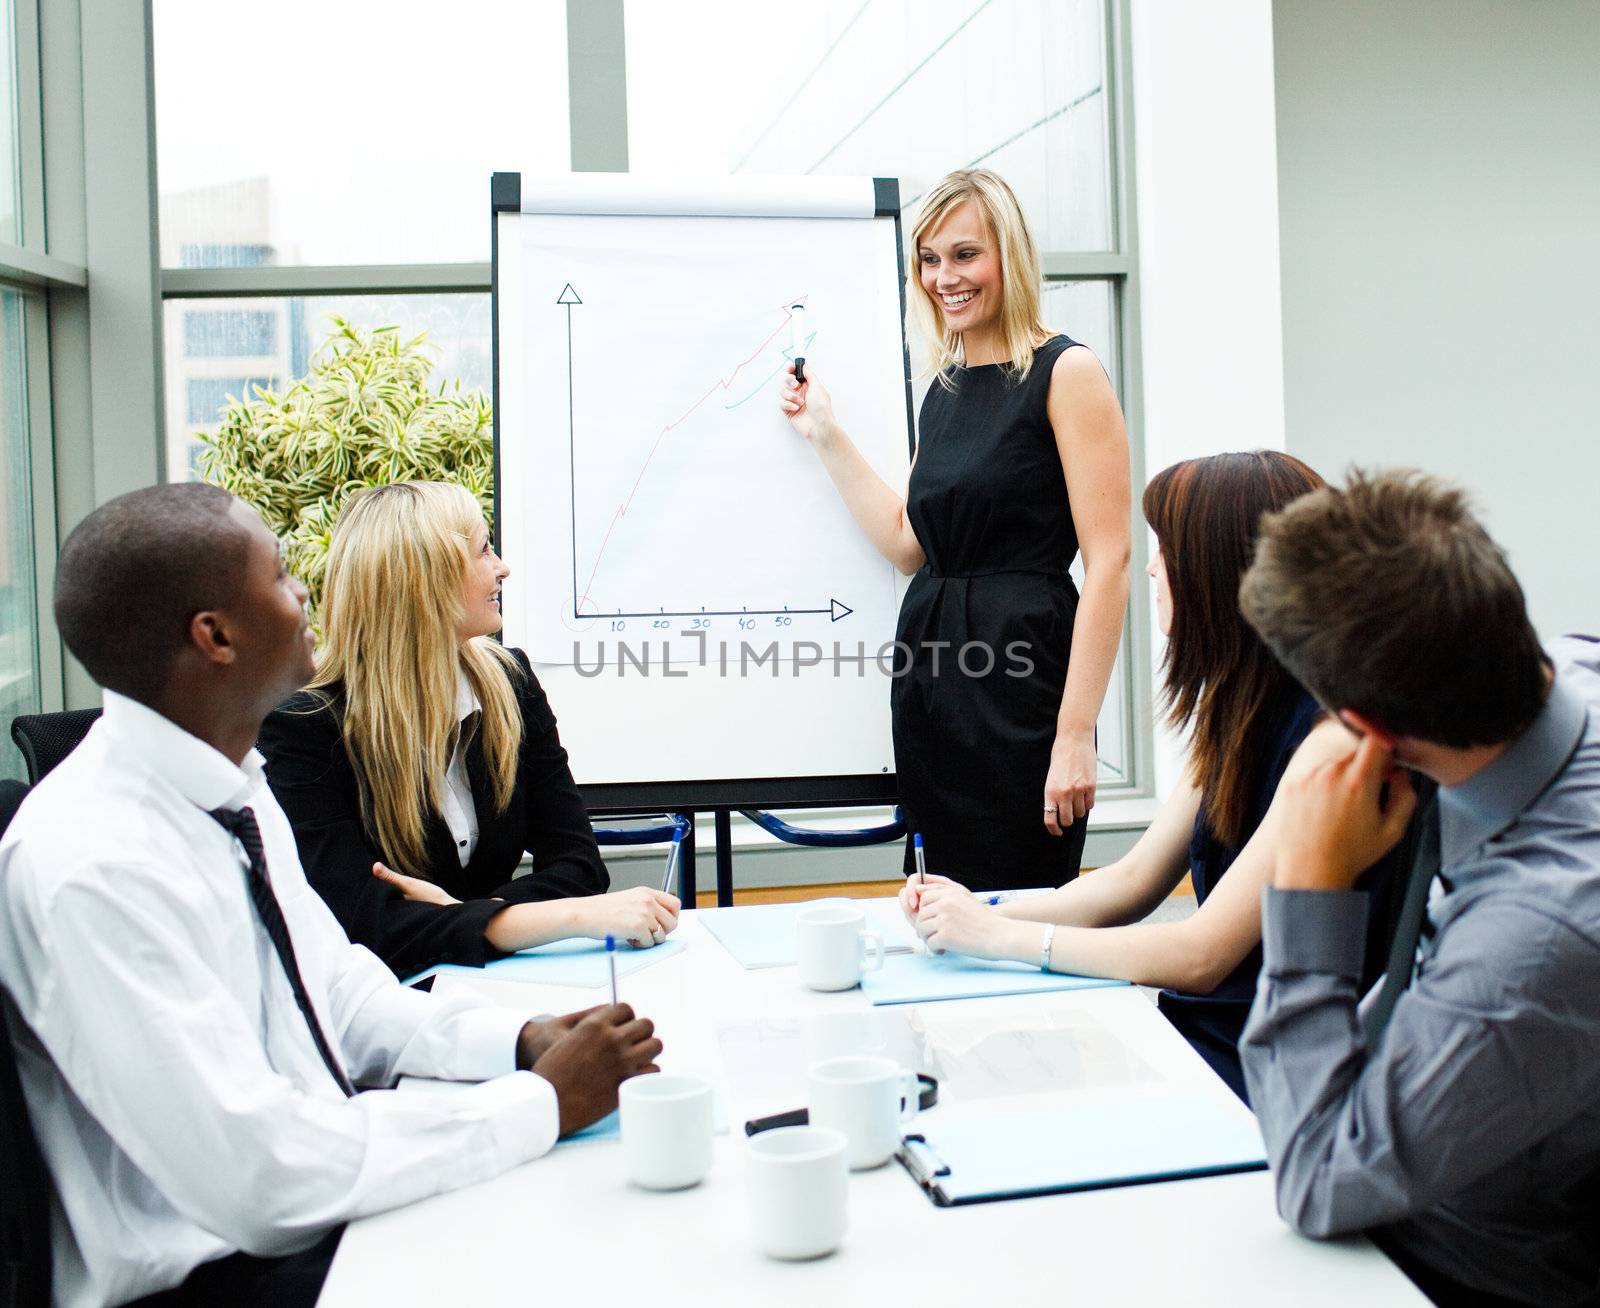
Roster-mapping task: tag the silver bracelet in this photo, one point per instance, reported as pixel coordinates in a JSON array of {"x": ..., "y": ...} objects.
[{"x": 1044, "y": 949}]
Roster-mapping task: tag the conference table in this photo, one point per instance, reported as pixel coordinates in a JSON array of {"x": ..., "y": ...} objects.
[{"x": 569, "y": 1227}]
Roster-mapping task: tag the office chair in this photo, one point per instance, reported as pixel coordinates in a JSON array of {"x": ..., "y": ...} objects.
[
  {"x": 25, "y": 1195},
  {"x": 47, "y": 738},
  {"x": 11, "y": 793}
]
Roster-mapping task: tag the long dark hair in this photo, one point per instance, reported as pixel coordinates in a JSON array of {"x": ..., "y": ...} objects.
[{"x": 1220, "y": 677}]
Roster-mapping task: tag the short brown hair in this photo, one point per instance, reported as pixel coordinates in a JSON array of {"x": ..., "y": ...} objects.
[
  {"x": 1389, "y": 598},
  {"x": 1206, "y": 514}
]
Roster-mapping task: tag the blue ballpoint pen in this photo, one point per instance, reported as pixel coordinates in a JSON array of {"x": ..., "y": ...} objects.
[
  {"x": 611, "y": 964},
  {"x": 922, "y": 867}
]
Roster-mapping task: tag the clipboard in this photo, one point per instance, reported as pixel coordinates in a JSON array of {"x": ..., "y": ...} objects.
[{"x": 975, "y": 1157}]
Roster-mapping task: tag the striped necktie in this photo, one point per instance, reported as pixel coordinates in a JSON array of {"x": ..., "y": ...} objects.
[{"x": 242, "y": 825}]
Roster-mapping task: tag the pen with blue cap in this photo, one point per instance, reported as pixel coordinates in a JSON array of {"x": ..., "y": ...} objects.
[
  {"x": 611, "y": 964},
  {"x": 922, "y": 866}
]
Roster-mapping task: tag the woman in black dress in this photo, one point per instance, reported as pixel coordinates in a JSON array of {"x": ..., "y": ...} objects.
[
  {"x": 1021, "y": 463},
  {"x": 424, "y": 759}
]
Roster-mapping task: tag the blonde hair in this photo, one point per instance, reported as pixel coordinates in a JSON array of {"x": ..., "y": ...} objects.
[
  {"x": 1021, "y": 325},
  {"x": 391, "y": 605}
]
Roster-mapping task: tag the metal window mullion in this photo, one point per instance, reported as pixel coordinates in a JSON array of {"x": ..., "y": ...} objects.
[
  {"x": 332, "y": 279},
  {"x": 30, "y": 123},
  {"x": 42, "y": 491},
  {"x": 1130, "y": 358},
  {"x": 1071, "y": 265},
  {"x": 34, "y": 269},
  {"x": 597, "y": 86}
]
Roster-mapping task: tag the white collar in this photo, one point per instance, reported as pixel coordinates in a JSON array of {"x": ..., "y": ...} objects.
[
  {"x": 193, "y": 768},
  {"x": 466, "y": 698}
]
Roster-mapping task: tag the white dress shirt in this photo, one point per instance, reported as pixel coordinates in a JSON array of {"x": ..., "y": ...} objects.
[
  {"x": 460, "y": 812},
  {"x": 179, "y": 1101}
]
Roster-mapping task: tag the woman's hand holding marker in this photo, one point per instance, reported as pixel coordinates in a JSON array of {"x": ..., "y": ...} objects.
[{"x": 808, "y": 406}]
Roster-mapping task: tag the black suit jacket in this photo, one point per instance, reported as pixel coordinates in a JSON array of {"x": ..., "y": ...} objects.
[{"x": 312, "y": 777}]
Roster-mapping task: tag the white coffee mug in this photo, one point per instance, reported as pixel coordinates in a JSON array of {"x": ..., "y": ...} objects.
[
  {"x": 833, "y": 946},
  {"x": 866, "y": 1098},
  {"x": 666, "y": 1130},
  {"x": 798, "y": 1185}
]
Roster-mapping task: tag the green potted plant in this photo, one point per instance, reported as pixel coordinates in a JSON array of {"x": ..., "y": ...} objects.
[{"x": 363, "y": 415}]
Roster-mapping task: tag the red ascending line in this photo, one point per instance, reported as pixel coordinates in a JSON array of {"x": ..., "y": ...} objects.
[{"x": 622, "y": 509}]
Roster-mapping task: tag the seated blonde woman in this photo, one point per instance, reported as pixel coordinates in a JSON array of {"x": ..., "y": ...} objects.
[{"x": 423, "y": 759}]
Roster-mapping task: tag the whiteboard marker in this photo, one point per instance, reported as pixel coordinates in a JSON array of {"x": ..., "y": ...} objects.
[{"x": 797, "y": 340}]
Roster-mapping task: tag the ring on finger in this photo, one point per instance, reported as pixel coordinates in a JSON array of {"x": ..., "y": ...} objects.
[{"x": 1049, "y": 808}]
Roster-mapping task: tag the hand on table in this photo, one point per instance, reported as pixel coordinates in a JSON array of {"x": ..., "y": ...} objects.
[
  {"x": 1069, "y": 785},
  {"x": 586, "y": 1064},
  {"x": 641, "y": 916},
  {"x": 1338, "y": 811},
  {"x": 413, "y": 888},
  {"x": 807, "y": 405}
]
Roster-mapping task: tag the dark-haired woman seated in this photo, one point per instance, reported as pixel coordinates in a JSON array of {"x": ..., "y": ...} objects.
[
  {"x": 1248, "y": 717},
  {"x": 423, "y": 759}
]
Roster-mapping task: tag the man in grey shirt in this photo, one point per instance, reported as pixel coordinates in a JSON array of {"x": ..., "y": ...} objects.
[{"x": 1458, "y": 1119}]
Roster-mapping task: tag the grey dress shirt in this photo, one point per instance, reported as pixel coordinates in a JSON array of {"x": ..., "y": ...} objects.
[{"x": 1470, "y": 1132}]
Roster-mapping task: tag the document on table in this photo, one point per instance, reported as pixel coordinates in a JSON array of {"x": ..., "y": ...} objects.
[
  {"x": 763, "y": 935},
  {"x": 922, "y": 978},
  {"x": 1171, "y": 1132},
  {"x": 580, "y": 963},
  {"x": 977, "y": 1052}
]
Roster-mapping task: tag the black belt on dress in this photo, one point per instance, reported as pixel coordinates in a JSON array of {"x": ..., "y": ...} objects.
[{"x": 1062, "y": 575}]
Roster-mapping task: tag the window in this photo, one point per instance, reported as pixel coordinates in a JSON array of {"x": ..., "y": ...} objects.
[
  {"x": 192, "y": 255},
  {"x": 209, "y": 396},
  {"x": 893, "y": 90},
  {"x": 272, "y": 342},
  {"x": 10, "y": 148},
  {"x": 356, "y": 132},
  {"x": 19, "y": 661},
  {"x": 913, "y": 91},
  {"x": 229, "y": 333},
  {"x": 370, "y": 200}
]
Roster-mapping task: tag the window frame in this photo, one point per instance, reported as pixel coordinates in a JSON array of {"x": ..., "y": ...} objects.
[{"x": 36, "y": 275}]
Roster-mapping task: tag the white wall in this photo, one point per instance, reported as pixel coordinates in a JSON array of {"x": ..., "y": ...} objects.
[
  {"x": 1439, "y": 167},
  {"x": 1206, "y": 163}
]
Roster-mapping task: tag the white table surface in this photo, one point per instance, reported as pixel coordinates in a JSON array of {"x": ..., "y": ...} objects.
[{"x": 570, "y": 1225}]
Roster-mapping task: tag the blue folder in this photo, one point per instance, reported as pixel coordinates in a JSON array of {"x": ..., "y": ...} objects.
[
  {"x": 974, "y": 1157},
  {"x": 923, "y": 978},
  {"x": 560, "y": 963}
]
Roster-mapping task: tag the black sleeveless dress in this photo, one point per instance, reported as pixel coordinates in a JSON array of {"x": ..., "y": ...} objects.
[{"x": 985, "y": 631}]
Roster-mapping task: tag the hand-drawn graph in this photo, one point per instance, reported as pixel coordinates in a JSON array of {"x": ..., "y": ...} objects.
[
  {"x": 754, "y": 377},
  {"x": 663, "y": 490}
]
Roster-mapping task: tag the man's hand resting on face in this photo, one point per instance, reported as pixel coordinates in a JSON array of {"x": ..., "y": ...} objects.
[{"x": 1337, "y": 812}]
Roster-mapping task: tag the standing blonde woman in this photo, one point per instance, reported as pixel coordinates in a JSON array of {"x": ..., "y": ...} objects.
[
  {"x": 424, "y": 759},
  {"x": 1021, "y": 463}
]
